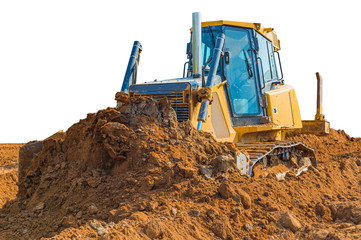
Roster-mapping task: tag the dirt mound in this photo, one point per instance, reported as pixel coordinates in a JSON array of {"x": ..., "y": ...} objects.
[
  {"x": 336, "y": 145},
  {"x": 134, "y": 173},
  {"x": 112, "y": 164}
]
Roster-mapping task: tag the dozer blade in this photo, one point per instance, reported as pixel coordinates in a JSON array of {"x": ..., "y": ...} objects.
[
  {"x": 316, "y": 127},
  {"x": 290, "y": 153}
]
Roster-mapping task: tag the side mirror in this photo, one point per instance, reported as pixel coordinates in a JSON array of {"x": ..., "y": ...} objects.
[
  {"x": 227, "y": 56},
  {"x": 189, "y": 50}
]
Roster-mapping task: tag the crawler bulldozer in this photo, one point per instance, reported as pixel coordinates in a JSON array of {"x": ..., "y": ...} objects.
[{"x": 233, "y": 87}]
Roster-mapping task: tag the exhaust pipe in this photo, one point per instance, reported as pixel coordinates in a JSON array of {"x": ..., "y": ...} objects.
[
  {"x": 196, "y": 45},
  {"x": 319, "y": 111}
]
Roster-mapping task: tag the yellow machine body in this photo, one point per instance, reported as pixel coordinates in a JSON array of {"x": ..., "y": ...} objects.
[{"x": 282, "y": 108}]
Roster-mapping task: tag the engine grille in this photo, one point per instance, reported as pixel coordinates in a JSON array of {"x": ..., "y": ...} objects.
[{"x": 176, "y": 100}]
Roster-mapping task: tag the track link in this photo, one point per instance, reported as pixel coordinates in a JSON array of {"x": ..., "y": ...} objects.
[{"x": 259, "y": 151}]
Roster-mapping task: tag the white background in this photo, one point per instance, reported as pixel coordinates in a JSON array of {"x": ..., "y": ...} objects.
[{"x": 60, "y": 60}]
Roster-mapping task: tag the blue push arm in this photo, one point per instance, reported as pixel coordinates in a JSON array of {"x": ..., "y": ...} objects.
[
  {"x": 137, "y": 48},
  {"x": 212, "y": 73}
]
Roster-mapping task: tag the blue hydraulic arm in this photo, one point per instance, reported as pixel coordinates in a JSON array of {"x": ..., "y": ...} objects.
[
  {"x": 209, "y": 84},
  {"x": 133, "y": 62}
]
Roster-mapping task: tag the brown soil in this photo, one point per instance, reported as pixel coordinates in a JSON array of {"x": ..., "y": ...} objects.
[
  {"x": 8, "y": 187},
  {"x": 135, "y": 173},
  {"x": 9, "y": 153},
  {"x": 8, "y": 171}
]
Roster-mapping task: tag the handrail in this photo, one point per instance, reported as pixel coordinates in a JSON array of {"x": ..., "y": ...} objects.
[
  {"x": 279, "y": 62},
  {"x": 264, "y": 82}
]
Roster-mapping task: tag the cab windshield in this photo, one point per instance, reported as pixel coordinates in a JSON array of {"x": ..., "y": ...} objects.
[
  {"x": 209, "y": 35},
  {"x": 240, "y": 74}
]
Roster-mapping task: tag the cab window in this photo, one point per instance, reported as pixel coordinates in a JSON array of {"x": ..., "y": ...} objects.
[
  {"x": 209, "y": 35},
  {"x": 272, "y": 61},
  {"x": 242, "y": 87},
  {"x": 267, "y": 66}
]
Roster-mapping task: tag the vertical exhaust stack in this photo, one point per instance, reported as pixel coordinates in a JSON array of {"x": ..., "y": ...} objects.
[
  {"x": 319, "y": 114},
  {"x": 196, "y": 45},
  {"x": 319, "y": 126}
]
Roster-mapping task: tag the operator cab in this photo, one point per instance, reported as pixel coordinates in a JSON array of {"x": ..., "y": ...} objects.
[{"x": 248, "y": 66}]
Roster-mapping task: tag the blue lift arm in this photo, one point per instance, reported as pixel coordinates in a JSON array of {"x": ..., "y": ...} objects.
[
  {"x": 212, "y": 72},
  {"x": 133, "y": 62}
]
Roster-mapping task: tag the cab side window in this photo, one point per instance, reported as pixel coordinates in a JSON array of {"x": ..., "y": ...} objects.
[
  {"x": 267, "y": 63},
  {"x": 272, "y": 61}
]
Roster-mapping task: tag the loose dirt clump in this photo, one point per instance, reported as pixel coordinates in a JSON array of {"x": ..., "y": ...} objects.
[{"x": 134, "y": 172}]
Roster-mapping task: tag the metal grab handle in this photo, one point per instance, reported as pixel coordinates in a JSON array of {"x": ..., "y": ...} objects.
[
  {"x": 264, "y": 82},
  {"x": 203, "y": 70},
  {"x": 279, "y": 62},
  {"x": 184, "y": 69},
  {"x": 212, "y": 73},
  {"x": 134, "y": 57}
]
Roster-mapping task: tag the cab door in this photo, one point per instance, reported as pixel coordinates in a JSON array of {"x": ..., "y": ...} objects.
[{"x": 243, "y": 86}]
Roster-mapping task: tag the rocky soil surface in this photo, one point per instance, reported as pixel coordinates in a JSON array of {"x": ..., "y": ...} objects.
[{"x": 134, "y": 172}]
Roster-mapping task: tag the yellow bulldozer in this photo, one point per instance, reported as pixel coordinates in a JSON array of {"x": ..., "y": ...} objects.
[{"x": 233, "y": 88}]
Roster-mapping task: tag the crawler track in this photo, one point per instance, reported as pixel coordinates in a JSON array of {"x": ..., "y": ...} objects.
[{"x": 258, "y": 151}]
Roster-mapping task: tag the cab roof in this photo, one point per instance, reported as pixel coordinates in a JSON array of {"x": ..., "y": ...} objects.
[{"x": 269, "y": 33}]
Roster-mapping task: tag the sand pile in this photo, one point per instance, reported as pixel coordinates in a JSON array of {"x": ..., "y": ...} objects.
[{"x": 135, "y": 173}]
